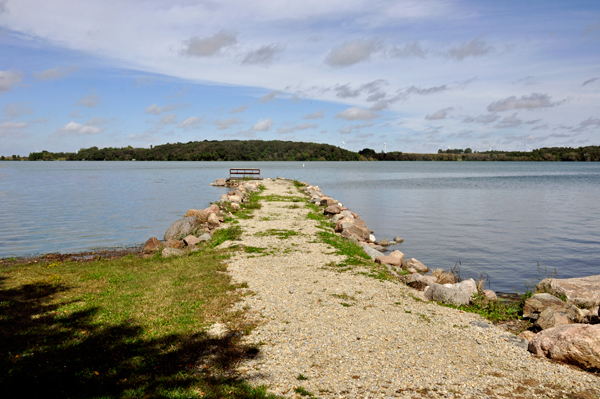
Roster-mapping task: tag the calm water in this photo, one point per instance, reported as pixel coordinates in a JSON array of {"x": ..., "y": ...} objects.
[{"x": 497, "y": 218}]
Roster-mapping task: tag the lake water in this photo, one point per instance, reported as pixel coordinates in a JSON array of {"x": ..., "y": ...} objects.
[{"x": 495, "y": 218}]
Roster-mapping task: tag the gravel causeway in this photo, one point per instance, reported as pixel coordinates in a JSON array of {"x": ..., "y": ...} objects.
[{"x": 347, "y": 335}]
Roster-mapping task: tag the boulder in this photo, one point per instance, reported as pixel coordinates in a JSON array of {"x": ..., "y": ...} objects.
[
  {"x": 388, "y": 260},
  {"x": 340, "y": 216},
  {"x": 398, "y": 240},
  {"x": 491, "y": 295},
  {"x": 360, "y": 232},
  {"x": 235, "y": 206},
  {"x": 551, "y": 318},
  {"x": 212, "y": 209},
  {"x": 418, "y": 266},
  {"x": 168, "y": 252},
  {"x": 198, "y": 214},
  {"x": 327, "y": 201},
  {"x": 235, "y": 198},
  {"x": 213, "y": 220},
  {"x": 152, "y": 245},
  {"x": 173, "y": 244},
  {"x": 411, "y": 270},
  {"x": 349, "y": 236},
  {"x": 191, "y": 240},
  {"x": 370, "y": 251},
  {"x": 419, "y": 282},
  {"x": 377, "y": 247},
  {"x": 572, "y": 343},
  {"x": 398, "y": 255},
  {"x": 218, "y": 183},
  {"x": 333, "y": 210},
  {"x": 384, "y": 242},
  {"x": 343, "y": 223},
  {"x": 359, "y": 222},
  {"x": 372, "y": 238},
  {"x": 181, "y": 228},
  {"x": 539, "y": 302},
  {"x": 457, "y": 294},
  {"x": 205, "y": 237},
  {"x": 583, "y": 291}
]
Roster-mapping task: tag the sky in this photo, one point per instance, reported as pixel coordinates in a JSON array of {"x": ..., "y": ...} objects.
[{"x": 399, "y": 75}]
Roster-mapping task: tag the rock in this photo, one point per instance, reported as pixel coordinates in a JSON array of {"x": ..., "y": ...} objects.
[
  {"x": 457, "y": 294},
  {"x": 213, "y": 220},
  {"x": 168, "y": 252},
  {"x": 419, "y": 282},
  {"x": 359, "y": 222},
  {"x": 384, "y": 242},
  {"x": 343, "y": 223},
  {"x": 191, "y": 240},
  {"x": 573, "y": 343},
  {"x": 235, "y": 206},
  {"x": 235, "y": 198},
  {"x": 181, "y": 228},
  {"x": 479, "y": 323},
  {"x": 418, "y": 266},
  {"x": 326, "y": 201},
  {"x": 519, "y": 342},
  {"x": 218, "y": 183},
  {"x": 370, "y": 251},
  {"x": 211, "y": 209},
  {"x": 398, "y": 240},
  {"x": 538, "y": 302},
  {"x": 377, "y": 247},
  {"x": 388, "y": 260},
  {"x": 205, "y": 237},
  {"x": 360, "y": 232},
  {"x": 583, "y": 291},
  {"x": 491, "y": 295},
  {"x": 411, "y": 270},
  {"x": 333, "y": 210},
  {"x": 349, "y": 236},
  {"x": 198, "y": 214},
  {"x": 397, "y": 254},
  {"x": 177, "y": 244},
  {"x": 551, "y": 318},
  {"x": 372, "y": 238},
  {"x": 528, "y": 335},
  {"x": 152, "y": 245}
]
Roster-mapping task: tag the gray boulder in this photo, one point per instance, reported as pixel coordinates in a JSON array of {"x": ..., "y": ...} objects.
[
  {"x": 583, "y": 291},
  {"x": 551, "y": 318},
  {"x": 169, "y": 252},
  {"x": 456, "y": 294},
  {"x": 539, "y": 302},
  {"x": 398, "y": 240},
  {"x": 418, "y": 266},
  {"x": 384, "y": 242},
  {"x": 181, "y": 228},
  {"x": 419, "y": 282},
  {"x": 333, "y": 210},
  {"x": 191, "y": 240},
  {"x": 373, "y": 253},
  {"x": 573, "y": 343},
  {"x": 205, "y": 237}
]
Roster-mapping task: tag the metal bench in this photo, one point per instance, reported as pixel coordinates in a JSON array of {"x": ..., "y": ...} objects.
[{"x": 243, "y": 174}]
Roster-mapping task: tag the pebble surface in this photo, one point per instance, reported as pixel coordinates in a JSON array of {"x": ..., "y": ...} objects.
[{"x": 347, "y": 335}]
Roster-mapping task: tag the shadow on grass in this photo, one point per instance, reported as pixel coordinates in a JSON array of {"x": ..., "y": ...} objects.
[{"x": 46, "y": 352}]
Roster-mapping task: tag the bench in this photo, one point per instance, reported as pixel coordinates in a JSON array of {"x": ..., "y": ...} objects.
[{"x": 243, "y": 174}]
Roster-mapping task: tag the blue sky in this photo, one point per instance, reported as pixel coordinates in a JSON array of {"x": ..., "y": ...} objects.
[{"x": 418, "y": 75}]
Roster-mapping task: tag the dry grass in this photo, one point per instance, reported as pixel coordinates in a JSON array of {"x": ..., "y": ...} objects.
[{"x": 443, "y": 277}]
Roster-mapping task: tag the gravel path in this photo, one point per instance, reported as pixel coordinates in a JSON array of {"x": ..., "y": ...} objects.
[{"x": 352, "y": 336}]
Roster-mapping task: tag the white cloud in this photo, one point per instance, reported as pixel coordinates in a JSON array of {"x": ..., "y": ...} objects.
[
  {"x": 513, "y": 121},
  {"x": 357, "y": 113},
  {"x": 269, "y": 96},
  {"x": 191, "y": 122},
  {"x": 54, "y": 73},
  {"x": 441, "y": 114},
  {"x": 226, "y": 123},
  {"x": 265, "y": 55},
  {"x": 474, "y": 48},
  {"x": 316, "y": 115},
  {"x": 351, "y": 53},
  {"x": 168, "y": 119},
  {"x": 408, "y": 51},
  {"x": 77, "y": 129},
  {"x": 263, "y": 125},
  {"x": 10, "y": 78},
  {"x": 301, "y": 126},
  {"x": 209, "y": 46},
  {"x": 534, "y": 100},
  {"x": 96, "y": 121},
  {"x": 239, "y": 109},
  {"x": 90, "y": 100},
  {"x": 14, "y": 110},
  {"x": 156, "y": 110},
  {"x": 13, "y": 125}
]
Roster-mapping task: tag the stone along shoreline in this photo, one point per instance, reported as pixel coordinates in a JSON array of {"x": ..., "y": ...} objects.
[{"x": 332, "y": 329}]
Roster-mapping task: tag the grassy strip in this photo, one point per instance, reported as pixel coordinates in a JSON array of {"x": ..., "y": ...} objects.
[
  {"x": 281, "y": 198},
  {"x": 281, "y": 234},
  {"x": 495, "y": 311},
  {"x": 123, "y": 328}
]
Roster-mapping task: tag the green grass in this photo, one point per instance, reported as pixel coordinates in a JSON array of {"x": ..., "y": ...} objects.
[
  {"x": 301, "y": 377},
  {"x": 279, "y": 233},
  {"x": 492, "y": 310},
  {"x": 303, "y": 392},
  {"x": 122, "y": 328},
  {"x": 231, "y": 233},
  {"x": 281, "y": 198},
  {"x": 254, "y": 250}
]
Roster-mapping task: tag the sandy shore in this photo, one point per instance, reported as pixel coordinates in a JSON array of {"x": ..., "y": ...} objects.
[{"x": 346, "y": 335}]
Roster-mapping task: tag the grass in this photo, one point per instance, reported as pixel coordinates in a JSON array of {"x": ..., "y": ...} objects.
[
  {"x": 281, "y": 198},
  {"x": 122, "y": 328},
  {"x": 303, "y": 392},
  {"x": 495, "y": 311},
  {"x": 279, "y": 233},
  {"x": 231, "y": 233},
  {"x": 254, "y": 250}
]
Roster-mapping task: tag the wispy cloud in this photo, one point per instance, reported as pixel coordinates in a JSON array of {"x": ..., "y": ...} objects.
[
  {"x": 239, "y": 109},
  {"x": 409, "y": 50},
  {"x": 91, "y": 100},
  {"x": 264, "y": 55},
  {"x": 10, "y": 78},
  {"x": 156, "y": 110},
  {"x": 191, "y": 122},
  {"x": 14, "y": 110},
  {"x": 209, "y": 46},
  {"x": 474, "y": 48},
  {"x": 269, "y": 96},
  {"x": 357, "y": 113},
  {"x": 77, "y": 129},
  {"x": 300, "y": 126},
  {"x": 351, "y": 53},
  {"x": 587, "y": 82},
  {"x": 316, "y": 115},
  {"x": 532, "y": 101},
  {"x": 262, "y": 125},
  {"x": 226, "y": 123},
  {"x": 54, "y": 73},
  {"x": 441, "y": 114}
]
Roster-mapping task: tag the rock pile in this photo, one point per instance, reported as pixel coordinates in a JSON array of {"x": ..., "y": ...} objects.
[{"x": 198, "y": 225}]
